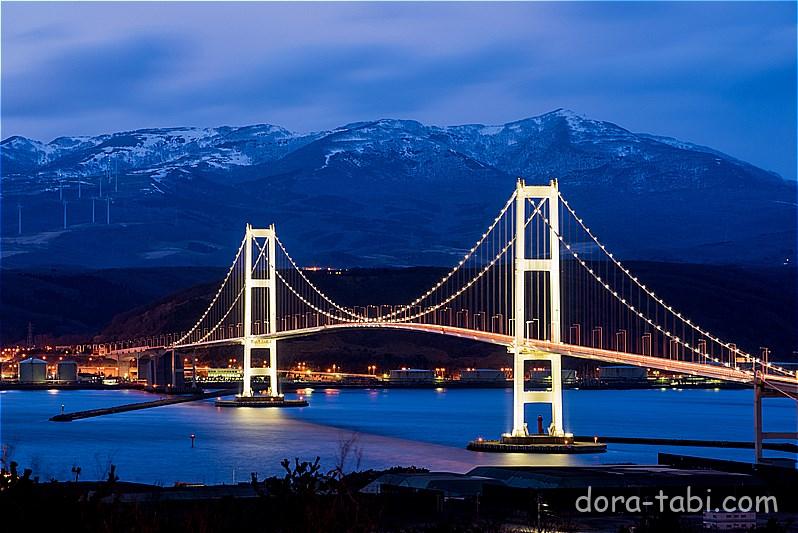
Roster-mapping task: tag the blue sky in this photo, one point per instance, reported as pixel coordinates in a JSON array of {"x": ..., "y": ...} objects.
[{"x": 720, "y": 74}]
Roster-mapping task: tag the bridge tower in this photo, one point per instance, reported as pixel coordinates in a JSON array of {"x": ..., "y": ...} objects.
[
  {"x": 547, "y": 194},
  {"x": 270, "y": 285}
]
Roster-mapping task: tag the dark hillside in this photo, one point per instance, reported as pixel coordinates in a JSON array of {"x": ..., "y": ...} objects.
[{"x": 751, "y": 306}]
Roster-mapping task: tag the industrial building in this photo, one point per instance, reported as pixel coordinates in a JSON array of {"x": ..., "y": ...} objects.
[
  {"x": 411, "y": 375},
  {"x": 622, "y": 374},
  {"x": 734, "y": 521},
  {"x": 226, "y": 374},
  {"x": 542, "y": 375},
  {"x": 32, "y": 371},
  {"x": 482, "y": 375},
  {"x": 450, "y": 485},
  {"x": 67, "y": 371}
]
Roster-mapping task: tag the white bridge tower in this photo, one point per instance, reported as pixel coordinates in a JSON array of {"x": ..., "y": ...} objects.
[
  {"x": 269, "y": 284},
  {"x": 546, "y": 194}
]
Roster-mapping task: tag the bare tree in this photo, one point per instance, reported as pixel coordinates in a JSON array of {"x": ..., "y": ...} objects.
[
  {"x": 102, "y": 465},
  {"x": 348, "y": 446}
]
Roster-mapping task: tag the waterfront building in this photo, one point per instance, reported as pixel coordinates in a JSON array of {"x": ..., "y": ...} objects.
[
  {"x": 411, "y": 375},
  {"x": 542, "y": 375},
  {"x": 225, "y": 374},
  {"x": 482, "y": 375},
  {"x": 67, "y": 371},
  {"x": 32, "y": 371},
  {"x": 734, "y": 521},
  {"x": 622, "y": 374}
]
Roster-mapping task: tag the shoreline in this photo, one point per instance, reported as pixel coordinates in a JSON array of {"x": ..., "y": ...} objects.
[
  {"x": 480, "y": 497},
  {"x": 293, "y": 386}
]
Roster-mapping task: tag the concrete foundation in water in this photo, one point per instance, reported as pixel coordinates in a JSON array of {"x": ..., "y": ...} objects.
[
  {"x": 536, "y": 444},
  {"x": 260, "y": 401}
]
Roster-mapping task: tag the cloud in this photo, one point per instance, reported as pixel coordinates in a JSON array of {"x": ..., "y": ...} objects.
[
  {"x": 89, "y": 78},
  {"x": 704, "y": 72}
]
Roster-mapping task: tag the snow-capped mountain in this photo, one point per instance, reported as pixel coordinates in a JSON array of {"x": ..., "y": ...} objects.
[
  {"x": 153, "y": 151},
  {"x": 384, "y": 192}
]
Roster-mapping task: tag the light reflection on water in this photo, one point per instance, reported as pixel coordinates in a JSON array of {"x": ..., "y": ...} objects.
[{"x": 393, "y": 427}]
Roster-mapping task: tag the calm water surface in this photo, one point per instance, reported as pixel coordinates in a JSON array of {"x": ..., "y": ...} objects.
[{"x": 390, "y": 427}]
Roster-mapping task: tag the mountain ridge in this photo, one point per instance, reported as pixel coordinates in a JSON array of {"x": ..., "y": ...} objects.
[
  {"x": 386, "y": 192},
  {"x": 226, "y": 131}
]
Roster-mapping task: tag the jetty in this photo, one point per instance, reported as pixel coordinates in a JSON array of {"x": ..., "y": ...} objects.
[
  {"x": 698, "y": 443},
  {"x": 90, "y": 413}
]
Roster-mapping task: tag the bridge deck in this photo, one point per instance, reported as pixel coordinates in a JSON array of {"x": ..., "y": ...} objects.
[{"x": 785, "y": 384}]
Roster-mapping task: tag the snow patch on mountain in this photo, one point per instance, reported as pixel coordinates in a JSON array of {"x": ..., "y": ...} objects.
[{"x": 158, "y": 152}]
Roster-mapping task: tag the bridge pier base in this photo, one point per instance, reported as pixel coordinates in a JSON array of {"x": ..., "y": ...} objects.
[
  {"x": 758, "y": 389},
  {"x": 246, "y": 390},
  {"x": 274, "y": 384},
  {"x": 761, "y": 392},
  {"x": 274, "y": 398},
  {"x": 555, "y": 440},
  {"x": 521, "y": 396}
]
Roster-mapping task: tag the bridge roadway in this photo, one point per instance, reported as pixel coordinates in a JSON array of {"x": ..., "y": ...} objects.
[{"x": 785, "y": 384}]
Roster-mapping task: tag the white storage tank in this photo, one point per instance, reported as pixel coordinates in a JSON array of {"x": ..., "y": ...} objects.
[
  {"x": 67, "y": 371},
  {"x": 32, "y": 371}
]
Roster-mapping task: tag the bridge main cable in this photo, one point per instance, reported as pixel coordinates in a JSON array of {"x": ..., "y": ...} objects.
[
  {"x": 473, "y": 280},
  {"x": 444, "y": 279},
  {"x": 312, "y": 286},
  {"x": 216, "y": 296},
  {"x": 658, "y": 300}
]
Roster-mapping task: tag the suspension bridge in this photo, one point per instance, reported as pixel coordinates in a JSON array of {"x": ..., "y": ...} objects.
[{"x": 538, "y": 281}]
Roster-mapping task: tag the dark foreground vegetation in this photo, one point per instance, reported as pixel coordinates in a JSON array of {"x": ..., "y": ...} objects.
[
  {"x": 308, "y": 498},
  {"x": 305, "y": 499}
]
